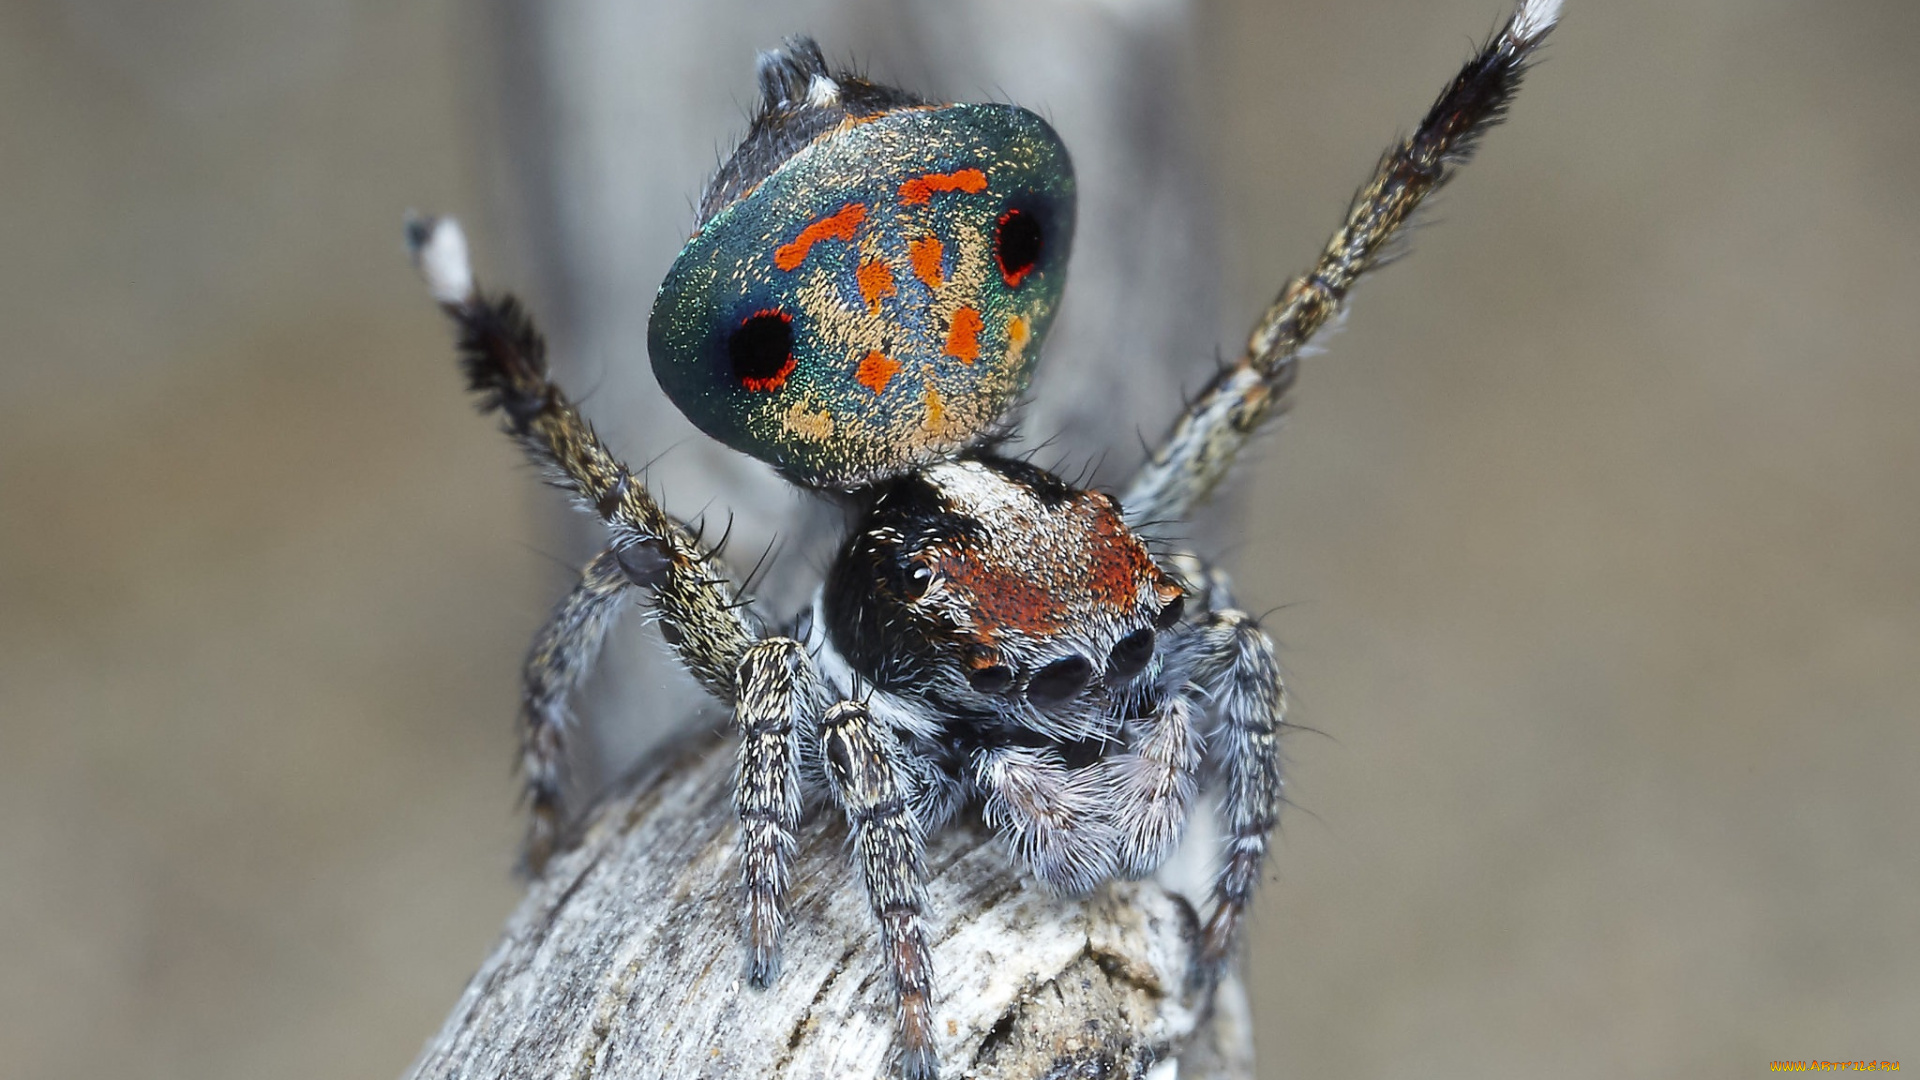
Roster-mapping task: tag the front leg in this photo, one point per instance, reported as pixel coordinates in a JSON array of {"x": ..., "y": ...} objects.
[
  {"x": 775, "y": 702},
  {"x": 864, "y": 771}
]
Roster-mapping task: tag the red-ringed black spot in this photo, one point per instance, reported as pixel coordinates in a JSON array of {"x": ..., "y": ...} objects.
[
  {"x": 761, "y": 350},
  {"x": 1017, "y": 240}
]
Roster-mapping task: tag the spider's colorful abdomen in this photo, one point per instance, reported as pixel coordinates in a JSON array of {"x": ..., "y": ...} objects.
[{"x": 877, "y": 302}]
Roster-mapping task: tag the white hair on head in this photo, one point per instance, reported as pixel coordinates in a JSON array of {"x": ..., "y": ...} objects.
[
  {"x": 822, "y": 92},
  {"x": 1534, "y": 18},
  {"x": 440, "y": 251}
]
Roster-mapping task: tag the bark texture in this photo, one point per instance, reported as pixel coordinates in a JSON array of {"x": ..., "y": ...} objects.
[{"x": 624, "y": 963}]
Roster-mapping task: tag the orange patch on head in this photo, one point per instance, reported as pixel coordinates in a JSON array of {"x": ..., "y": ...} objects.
[
  {"x": 875, "y": 281},
  {"x": 925, "y": 255},
  {"x": 1003, "y": 599},
  {"x": 963, "y": 337},
  {"x": 920, "y": 189},
  {"x": 839, "y": 226},
  {"x": 876, "y": 371},
  {"x": 1120, "y": 571}
]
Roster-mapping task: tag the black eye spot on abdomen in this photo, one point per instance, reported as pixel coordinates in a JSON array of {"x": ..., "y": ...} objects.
[
  {"x": 1017, "y": 240},
  {"x": 760, "y": 350}
]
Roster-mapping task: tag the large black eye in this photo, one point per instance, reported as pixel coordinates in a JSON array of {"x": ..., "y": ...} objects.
[
  {"x": 761, "y": 350},
  {"x": 1059, "y": 680},
  {"x": 991, "y": 680},
  {"x": 1171, "y": 614},
  {"x": 1017, "y": 240},
  {"x": 1130, "y": 655},
  {"x": 919, "y": 576}
]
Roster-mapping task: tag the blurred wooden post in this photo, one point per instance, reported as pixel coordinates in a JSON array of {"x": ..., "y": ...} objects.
[
  {"x": 624, "y": 961},
  {"x": 624, "y": 964}
]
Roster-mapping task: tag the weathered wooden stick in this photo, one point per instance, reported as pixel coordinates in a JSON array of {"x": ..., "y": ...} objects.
[{"x": 624, "y": 963}]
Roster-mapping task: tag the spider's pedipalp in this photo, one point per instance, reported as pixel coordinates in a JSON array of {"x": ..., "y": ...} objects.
[
  {"x": 1153, "y": 784},
  {"x": 1057, "y": 821}
]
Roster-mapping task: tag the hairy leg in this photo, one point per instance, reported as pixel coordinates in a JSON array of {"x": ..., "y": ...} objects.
[
  {"x": 1234, "y": 664},
  {"x": 1153, "y": 784},
  {"x": 775, "y": 702},
  {"x": 505, "y": 359},
  {"x": 865, "y": 775},
  {"x": 1204, "y": 441},
  {"x": 562, "y": 653}
]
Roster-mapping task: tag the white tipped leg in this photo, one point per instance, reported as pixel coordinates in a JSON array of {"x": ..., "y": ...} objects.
[{"x": 439, "y": 250}]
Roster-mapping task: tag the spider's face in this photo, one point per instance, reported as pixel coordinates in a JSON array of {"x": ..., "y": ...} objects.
[
  {"x": 999, "y": 588},
  {"x": 877, "y": 302}
]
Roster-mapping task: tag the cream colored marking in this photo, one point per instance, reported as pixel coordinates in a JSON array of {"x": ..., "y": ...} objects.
[{"x": 815, "y": 424}]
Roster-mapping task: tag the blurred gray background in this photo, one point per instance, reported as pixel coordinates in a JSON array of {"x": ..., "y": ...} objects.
[{"x": 1591, "y": 544}]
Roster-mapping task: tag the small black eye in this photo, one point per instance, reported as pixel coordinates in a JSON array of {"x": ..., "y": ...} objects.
[
  {"x": 761, "y": 350},
  {"x": 991, "y": 680},
  {"x": 1130, "y": 655},
  {"x": 1170, "y": 614},
  {"x": 1017, "y": 240},
  {"x": 1059, "y": 680},
  {"x": 919, "y": 576}
]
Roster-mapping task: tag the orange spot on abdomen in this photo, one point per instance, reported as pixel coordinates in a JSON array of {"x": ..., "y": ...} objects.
[
  {"x": 876, "y": 370},
  {"x": 922, "y": 188},
  {"x": 925, "y": 254},
  {"x": 839, "y": 226},
  {"x": 963, "y": 337},
  {"x": 875, "y": 280}
]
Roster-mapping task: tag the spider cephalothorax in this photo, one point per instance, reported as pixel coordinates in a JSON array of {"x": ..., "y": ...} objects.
[
  {"x": 991, "y": 587},
  {"x": 862, "y": 301}
]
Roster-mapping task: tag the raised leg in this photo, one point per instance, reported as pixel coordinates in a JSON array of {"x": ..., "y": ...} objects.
[
  {"x": 866, "y": 780},
  {"x": 1204, "y": 441},
  {"x": 562, "y": 653},
  {"x": 505, "y": 359},
  {"x": 1057, "y": 822},
  {"x": 1234, "y": 664},
  {"x": 775, "y": 701}
]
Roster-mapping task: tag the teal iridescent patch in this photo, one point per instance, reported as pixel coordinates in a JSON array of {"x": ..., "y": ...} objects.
[{"x": 877, "y": 303}]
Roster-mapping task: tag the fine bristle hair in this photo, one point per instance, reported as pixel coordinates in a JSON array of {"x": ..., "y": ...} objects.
[
  {"x": 1533, "y": 20},
  {"x": 787, "y": 73},
  {"x": 801, "y": 98}
]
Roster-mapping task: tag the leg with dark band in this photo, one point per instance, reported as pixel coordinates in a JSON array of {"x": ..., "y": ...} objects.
[
  {"x": 774, "y": 700},
  {"x": 866, "y": 782}
]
